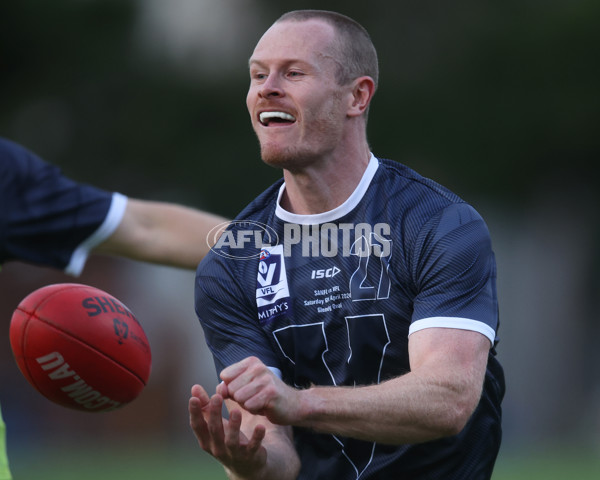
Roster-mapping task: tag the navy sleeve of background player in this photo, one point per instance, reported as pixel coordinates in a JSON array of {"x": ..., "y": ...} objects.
[
  {"x": 229, "y": 320},
  {"x": 455, "y": 274},
  {"x": 48, "y": 219}
]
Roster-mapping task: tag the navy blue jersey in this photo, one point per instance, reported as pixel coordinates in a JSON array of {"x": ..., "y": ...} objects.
[
  {"x": 48, "y": 219},
  {"x": 331, "y": 299}
]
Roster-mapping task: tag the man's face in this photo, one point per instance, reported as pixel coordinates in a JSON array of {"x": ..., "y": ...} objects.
[{"x": 298, "y": 110}]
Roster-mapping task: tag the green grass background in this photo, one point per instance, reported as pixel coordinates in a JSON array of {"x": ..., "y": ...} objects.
[{"x": 130, "y": 462}]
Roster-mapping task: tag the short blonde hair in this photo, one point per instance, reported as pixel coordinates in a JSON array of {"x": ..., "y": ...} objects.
[{"x": 357, "y": 56}]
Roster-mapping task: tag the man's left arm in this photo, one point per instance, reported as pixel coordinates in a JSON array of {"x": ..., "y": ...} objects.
[{"x": 434, "y": 400}]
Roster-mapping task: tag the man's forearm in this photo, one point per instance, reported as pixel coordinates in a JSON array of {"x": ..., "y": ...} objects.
[{"x": 408, "y": 409}]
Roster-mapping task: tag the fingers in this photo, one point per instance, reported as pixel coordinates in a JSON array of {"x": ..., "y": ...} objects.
[
  {"x": 205, "y": 417},
  {"x": 232, "y": 437},
  {"x": 244, "y": 451},
  {"x": 200, "y": 393},
  {"x": 243, "y": 367},
  {"x": 215, "y": 426},
  {"x": 197, "y": 422},
  {"x": 223, "y": 390},
  {"x": 259, "y": 391},
  {"x": 255, "y": 442},
  {"x": 224, "y": 439},
  {"x": 246, "y": 380}
]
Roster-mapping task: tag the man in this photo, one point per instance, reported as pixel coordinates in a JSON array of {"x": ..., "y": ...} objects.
[
  {"x": 355, "y": 339},
  {"x": 48, "y": 219}
]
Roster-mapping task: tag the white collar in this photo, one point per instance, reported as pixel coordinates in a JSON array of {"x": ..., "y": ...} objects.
[{"x": 338, "y": 212}]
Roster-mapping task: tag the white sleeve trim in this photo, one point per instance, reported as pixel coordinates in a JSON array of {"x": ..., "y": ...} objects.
[
  {"x": 454, "y": 322},
  {"x": 109, "y": 225},
  {"x": 276, "y": 371}
]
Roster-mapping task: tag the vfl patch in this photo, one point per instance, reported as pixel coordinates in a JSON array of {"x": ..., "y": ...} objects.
[{"x": 272, "y": 292}]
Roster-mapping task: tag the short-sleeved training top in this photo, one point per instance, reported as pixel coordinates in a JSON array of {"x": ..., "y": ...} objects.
[{"x": 331, "y": 299}]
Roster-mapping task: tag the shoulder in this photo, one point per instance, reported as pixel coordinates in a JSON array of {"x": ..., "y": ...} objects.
[
  {"x": 17, "y": 164},
  {"x": 249, "y": 231},
  {"x": 414, "y": 184},
  {"x": 26, "y": 179},
  {"x": 416, "y": 201},
  {"x": 263, "y": 205},
  {"x": 238, "y": 248}
]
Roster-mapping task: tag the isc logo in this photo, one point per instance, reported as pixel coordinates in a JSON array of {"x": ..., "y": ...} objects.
[{"x": 330, "y": 272}]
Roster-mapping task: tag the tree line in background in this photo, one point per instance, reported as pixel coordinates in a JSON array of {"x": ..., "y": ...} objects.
[{"x": 490, "y": 99}]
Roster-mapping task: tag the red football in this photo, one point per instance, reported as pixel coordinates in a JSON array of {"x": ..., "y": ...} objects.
[{"x": 80, "y": 347}]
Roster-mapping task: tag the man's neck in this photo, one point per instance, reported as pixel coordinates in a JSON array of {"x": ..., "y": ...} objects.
[{"x": 323, "y": 186}]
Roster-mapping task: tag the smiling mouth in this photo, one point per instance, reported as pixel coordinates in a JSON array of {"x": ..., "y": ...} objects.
[{"x": 276, "y": 118}]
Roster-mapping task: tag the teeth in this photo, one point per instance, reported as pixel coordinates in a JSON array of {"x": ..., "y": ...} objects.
[{"x": 264, "y": 116}]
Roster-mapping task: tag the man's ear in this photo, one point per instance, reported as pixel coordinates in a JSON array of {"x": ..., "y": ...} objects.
[{"x": 363, "y": 89}]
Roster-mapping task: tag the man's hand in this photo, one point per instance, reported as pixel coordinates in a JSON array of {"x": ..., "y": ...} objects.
[
  {"x": 259, "y": 391},
  {"x": 223, "y": 438}
]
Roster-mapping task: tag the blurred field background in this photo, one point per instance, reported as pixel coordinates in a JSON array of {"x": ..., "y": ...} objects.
[{"x": 498, "y": 101}]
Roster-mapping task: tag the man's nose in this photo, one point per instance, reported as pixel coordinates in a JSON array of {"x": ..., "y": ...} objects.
[{"x": 271, "y": 87}]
